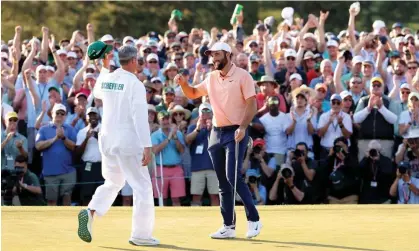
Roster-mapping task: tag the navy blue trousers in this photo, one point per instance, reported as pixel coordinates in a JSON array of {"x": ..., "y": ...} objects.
[{"x": 221, "y": 148}]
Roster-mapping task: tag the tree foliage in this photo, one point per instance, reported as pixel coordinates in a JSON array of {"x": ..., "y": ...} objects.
[{"x": 137, "y": 18}]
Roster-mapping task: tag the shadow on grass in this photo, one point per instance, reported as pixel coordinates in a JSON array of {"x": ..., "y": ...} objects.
[
  {"x": 171, "y": 247},
  {"x": 256, "y": 241}
]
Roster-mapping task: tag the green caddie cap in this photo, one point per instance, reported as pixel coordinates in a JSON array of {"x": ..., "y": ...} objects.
[{"x": 98, "y": 50}]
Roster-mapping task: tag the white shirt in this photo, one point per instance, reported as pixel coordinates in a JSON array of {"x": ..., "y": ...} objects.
[
  {"x": 275, "y": 137},
  {"x": 300, "y": 133},
  {"x": 333, "y": 131},
  {"x": 91, "y": 152},
  {"x": 6, "y": 109},
  {"x": 405, "y": 118},
  {"x": 125, "y": 129}
]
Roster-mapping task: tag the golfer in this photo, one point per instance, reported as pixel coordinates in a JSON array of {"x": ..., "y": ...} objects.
[
  {"x": 125, "y": 145},
  {"x": 233, "y": 98}
]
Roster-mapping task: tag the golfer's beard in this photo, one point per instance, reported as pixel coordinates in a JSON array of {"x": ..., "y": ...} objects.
[{"x": 222, "y": 63}]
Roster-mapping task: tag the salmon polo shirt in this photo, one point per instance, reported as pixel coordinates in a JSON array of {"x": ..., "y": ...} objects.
[{"x": 228, "y": 95}]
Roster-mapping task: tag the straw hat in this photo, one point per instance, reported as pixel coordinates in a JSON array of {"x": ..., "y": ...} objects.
[
  {"x": 179, "y": 108},
  {"x": 303, "y": 90}
]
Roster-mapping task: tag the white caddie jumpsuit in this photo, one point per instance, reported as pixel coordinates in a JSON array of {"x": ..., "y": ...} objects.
[{"x": 124, "y": 135}]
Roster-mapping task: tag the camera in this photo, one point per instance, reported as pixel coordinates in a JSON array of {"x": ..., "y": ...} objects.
[
  {"x": 252, "y": 179},
  {"x": 286, "y": 171},
  {"x": 338, "y": 149},
  {"x": 10, "y": 179},
  {"x": 297, "y": 154},
  {"x": 373, "y": 153},
  {"x": 255, "y": 150},
  {"x": 383, "y": 39},
  {"x": 403, "y": 167}
]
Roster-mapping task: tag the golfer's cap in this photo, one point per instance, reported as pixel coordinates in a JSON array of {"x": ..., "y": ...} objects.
[
  {"x": 258, "y": 142},
  {"x": 332, "y": 43},
  {"x": 295, "y": 76},
  {"x": 128, "y": 39},
  {"x": 41, "y": 68},
  {"x": 107, "y": 37},
  {"x": 61, "y": 52},
  {"x": 335, "y": 97},
  {"x": 357, "y": 59},
  {"x": 58, "y": 107},
  {"x": 71, "y": 54},
  {"x": 345, "y": 94},
  {"x": 10, "y": 115},
  {"x": 405, "y": 86},
  {"x": 152, "y": 56},
  {"x": 155, "y": 79},
  {"x": 92, "y": 110},
  {"x": 98, "y": 50},
  {"x": 377, "y": 79},
  {"x": 290, "y": 53},
  {"x": 219, "y": 46},
  {"x": 204, "y": 106},
  {"x": 50, "y": 68}
]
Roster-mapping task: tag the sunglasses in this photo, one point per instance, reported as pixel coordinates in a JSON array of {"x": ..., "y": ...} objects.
[
  {"x": 13, "y": 120},
  {"x": 347, "y": 99},
  {"x": 356, "y": 82},
  {"x": 206, "y": 111},
  {"x": 178, "y": 59},
  {"x": 253, "y": 45},
  {"x": 405, "y": 92},
  {"x": 171, "y": 37},
  {"x": 156, "y": 82},
  {"x": 335, "y": 102},
  {"x": 273, "y": 102},
  {"x": 152, "y": 62},
  {"x": 60, "y": 113},
  {"x": 376, "y": 85},
  {"x": 321, "y": 90},
  {"x": 178, "y": 114},
  {"x": 291, "y": 58},
  {"x": 412, "y": 68},
  {"x": 147, "y": 51}
]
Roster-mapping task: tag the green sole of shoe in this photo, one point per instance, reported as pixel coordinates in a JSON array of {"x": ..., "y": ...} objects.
[{"x": 83, "y": 231}]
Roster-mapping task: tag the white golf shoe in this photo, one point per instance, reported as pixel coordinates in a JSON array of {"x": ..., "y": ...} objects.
[
  {"x": 253, "y": 229},
  {"x": 225, "y": 232},
  {"x": 144, "y": 242}
]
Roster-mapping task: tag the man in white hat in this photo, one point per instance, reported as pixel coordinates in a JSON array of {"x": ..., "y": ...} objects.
[
  {"x": 233, "y": 99},
  {"x": 125, "y": 145}
]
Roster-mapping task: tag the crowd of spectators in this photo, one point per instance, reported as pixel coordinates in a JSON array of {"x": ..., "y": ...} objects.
[{"x": 337, "y": 120}]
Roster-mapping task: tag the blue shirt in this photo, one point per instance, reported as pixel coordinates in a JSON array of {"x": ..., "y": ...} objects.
[
  {"x": 79, "y": 125},
  {"x": 57, "y": 159},
  {"x": 170, "y": 154},
  {"x": 199, "y": 150},
  {"x": 326, "y": 106}
]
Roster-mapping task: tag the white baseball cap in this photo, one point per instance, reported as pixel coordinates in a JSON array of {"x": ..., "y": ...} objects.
[
  {"x": 345, "y": 94},
  {"x": 204, "y": 106},
  {"x": 332, "y": 43},
  {"x": 309, "y": 35},
  {"x": 290, "y": 53},
  {"x": 4, "y": 55},
  {"x": 58, "y": 107},
  {"x": 152, "y": 43},
  {"x": 295, "y": 76},
  {"x": 107, "y": 37},
  {"x": 89, "y": 75},
  {"x": 357, "y": 59},
  {"x": 92, "y": 109},
  {"x": 219, "y": 46},
  {"x": 71, "y": 54},
  {"x": 155, "y": 79},
  {"x": 152, "y": 56},
  {"x": 127, "y": 39},
  {"x": 41, "y": 68},
  {"x": 50, "y": 68},
  {"x": 405, "y": 86},
  {"x": 377, "y": 25},
  {"x": 91, "y": 66},
  {"x": 61, "y": 52}
]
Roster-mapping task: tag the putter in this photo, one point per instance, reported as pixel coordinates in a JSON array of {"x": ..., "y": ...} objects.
[{"x": 236, "y": 154}]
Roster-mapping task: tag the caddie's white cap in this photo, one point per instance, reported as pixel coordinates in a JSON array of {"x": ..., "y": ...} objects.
[
  {"x": 219, "y": 46},
  {"x": 58, "y": 107},
  {"x": 295, "y": 76}
]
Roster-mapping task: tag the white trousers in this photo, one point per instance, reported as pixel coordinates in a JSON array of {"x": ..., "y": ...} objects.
[{"x": 116, "y": 170}]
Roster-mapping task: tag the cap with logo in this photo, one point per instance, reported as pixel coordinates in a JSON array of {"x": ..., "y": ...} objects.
[
  {"x": 58, "y": 107},
  {"x": 92, "y": 110},
  {"x": 345, "y": 94},
  {"x": 98, "y": 50},
  {"x": 219, "y": 46},
  {"x": 169, "y": 90},
  {"x": 204, "y": 106},
  {"x": 336, "y": 97}
]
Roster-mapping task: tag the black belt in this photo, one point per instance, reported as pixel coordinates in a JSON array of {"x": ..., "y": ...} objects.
[{"x": 226, "y": 128}]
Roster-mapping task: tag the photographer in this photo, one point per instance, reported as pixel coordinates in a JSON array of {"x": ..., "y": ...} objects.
[
  {"x": 405, "y": 187},
  {"x": 21, "y": 183},
  {"x": 257, "y": 159},
  {"x": 376, "y": 174},
  {"x": 341, "y": 170},
  {"x": 409, "y": 151},
  {"x": 286, "y": 190},
  {"x": 301, "y": 163},
  {"x": 257, "y": 190}
]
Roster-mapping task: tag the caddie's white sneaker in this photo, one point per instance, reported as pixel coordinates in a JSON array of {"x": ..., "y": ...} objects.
[
  {"x": 144, "y": 242},
  {"x": 253, "y": 229},
  {"x": 225, "y": 232},
  {"x": 85, "y": 225}
]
